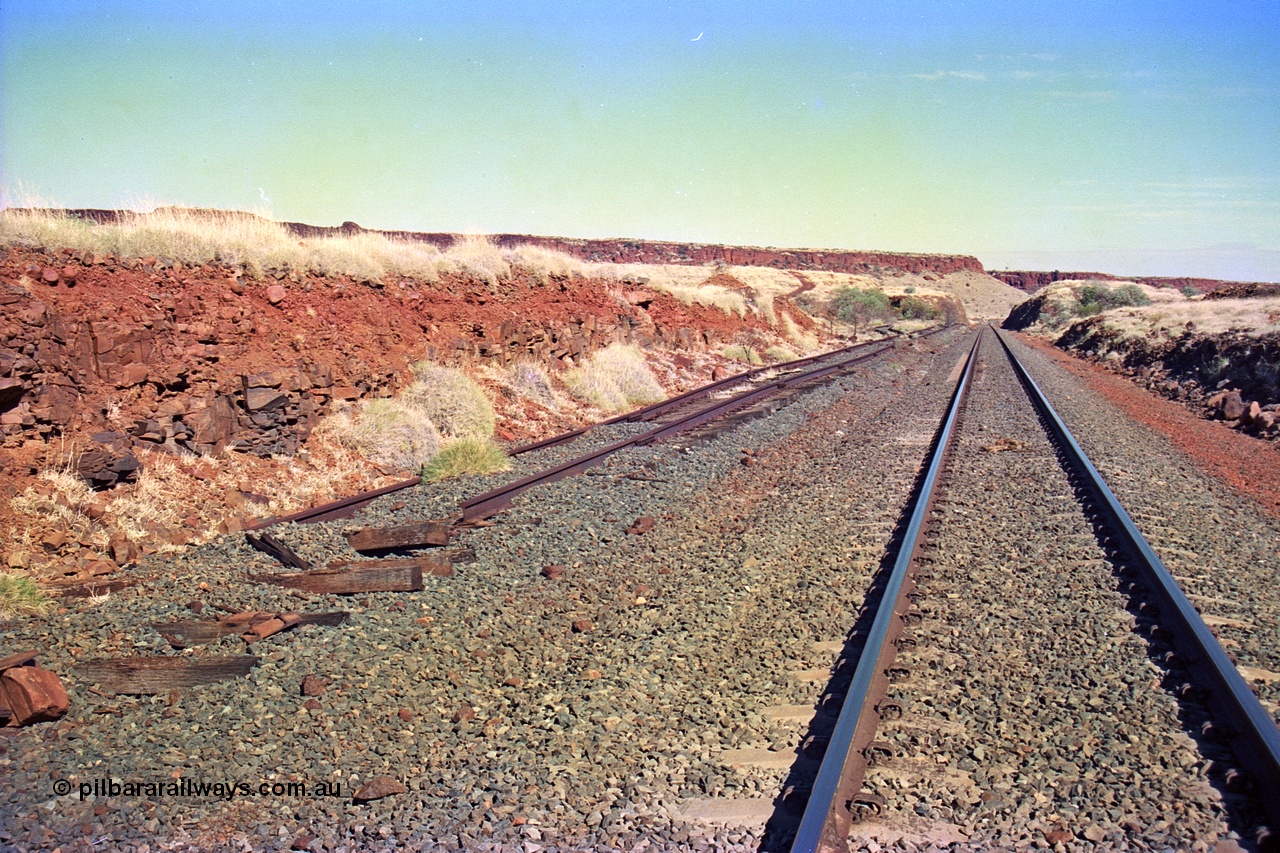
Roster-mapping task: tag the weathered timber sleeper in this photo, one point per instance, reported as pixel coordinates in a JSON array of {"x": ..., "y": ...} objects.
[
  {"x": 415, "y": 535},
  {"x": 373, "y": 576},
  {"x": 148, "y": 675}
]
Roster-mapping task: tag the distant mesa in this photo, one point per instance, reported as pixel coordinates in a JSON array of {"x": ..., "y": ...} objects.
[
  {"x": 1031, "y": 282},
  {"x": 620, "y": 250}
]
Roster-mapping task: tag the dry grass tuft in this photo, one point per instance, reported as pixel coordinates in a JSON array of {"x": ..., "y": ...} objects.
[
  {"x": 256, "y": 243},
  {"x": 157, "y": 501},
  {"x": 614, "y": 378},
  {"x": 531, "y": 381},
  {"x": 1254, "y": 317},
  {"x": 544, "y": 262},
  {"x": 476, "y": 255},
  {"x": 780, "y": 353},
  {"x": 745, "y": 354},
  {"x": 390, "y": 433},
  {"x": 453, "y": 401},
  {"x": 21, "y": 596},
  {"x": 728, "y": 301},
  {"x": 466, "y": 456},
  {"x": 806, "y": 341}
]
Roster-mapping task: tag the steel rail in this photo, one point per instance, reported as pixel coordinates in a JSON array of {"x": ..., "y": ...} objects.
[
  {"x": 348, "y": 506},
  {"x": 651, "y": 411},
  {"x": 654, "y": 409},
  {"x": 1236, "y": 708},
  {"x": 824, "y": 826},
  {"x": 491, "y": 502},
  {"x": 342, "y": 508}
]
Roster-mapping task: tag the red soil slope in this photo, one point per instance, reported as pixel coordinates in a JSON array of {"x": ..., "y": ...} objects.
[{"x": 1249, "y": 466}]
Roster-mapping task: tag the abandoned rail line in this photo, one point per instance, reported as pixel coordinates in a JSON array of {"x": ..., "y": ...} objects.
[
  {"x": 784, "y": 376},
  {"x": 655, "y": 654}
]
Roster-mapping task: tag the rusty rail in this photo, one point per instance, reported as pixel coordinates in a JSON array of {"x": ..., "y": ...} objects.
[
  {"x": 343, "y": 508},
  {"x": 491, "y": 502},
  {"x": 653, "y": 410},
  {"x": 348, "y": 506},
  {"x": 828, "y": 815}
]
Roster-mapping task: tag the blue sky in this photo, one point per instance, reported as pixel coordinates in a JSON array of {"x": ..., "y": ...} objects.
[{"x": 1136, "y": 137}]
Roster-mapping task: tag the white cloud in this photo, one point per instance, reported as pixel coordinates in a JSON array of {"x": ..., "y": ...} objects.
[{"x": 960, "y": 75}]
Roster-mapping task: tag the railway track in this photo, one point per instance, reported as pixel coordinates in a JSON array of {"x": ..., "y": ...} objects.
[
  {"x": 625, "y": 701},
  {"x": 912, "y": 746},
  {"x": 672, "y": 416}
]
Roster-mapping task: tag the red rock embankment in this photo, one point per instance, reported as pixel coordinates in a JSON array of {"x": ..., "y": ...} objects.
[
  {"x": 664, "y": 252},
  {"x": 200, "y": 359}
]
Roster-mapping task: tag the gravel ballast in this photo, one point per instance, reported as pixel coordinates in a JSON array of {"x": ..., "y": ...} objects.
[
  {"x": 577, "y": 711},
  {"x": 1034, "y": 714}
]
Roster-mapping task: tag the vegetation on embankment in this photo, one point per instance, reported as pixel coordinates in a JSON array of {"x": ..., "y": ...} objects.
[{"x": 1218, "y": 353}]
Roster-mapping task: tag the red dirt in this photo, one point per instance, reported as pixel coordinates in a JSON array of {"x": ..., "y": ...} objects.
[
  {"x": 90, "y": 344},
  {"x": 805, "y": 284},
  {"x": 1248, "y": 465}
]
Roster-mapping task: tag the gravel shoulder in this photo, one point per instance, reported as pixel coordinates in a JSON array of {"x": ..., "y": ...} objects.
[{"x": 515, "y": 729}]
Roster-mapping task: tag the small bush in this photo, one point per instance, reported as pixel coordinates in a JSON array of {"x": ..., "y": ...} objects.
[
  {"x": 390, "y": 433},
  {"x": 1129, "y": 294},
  {"x": 614, "y": 378},
  {"x": 742, "y": 353},
  {"x": 858, "y": 305},
  {"x": 780, "y": 353},
  {"x": 20, "y": 596},
  {"x": 451, "y": 399},
  {"x": 1095, "y": 298},
  {"x": 1190, "y": 291},
  {"x": 466, "y": 456},
  {"x": 914, "y": 308}
]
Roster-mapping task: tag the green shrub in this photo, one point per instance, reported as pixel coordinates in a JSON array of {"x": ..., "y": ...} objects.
[
  {"x": 1093, "y": 299},
  {"x": 466, "y": 456},
  {"x": 742, "y": 353},
  {"x": 20, "y": 596},
  {"x": 614, "y": 378},
  {"x": 1190, "y": 291},
  {"x": 451, "y": 399},
  {"x": 914, "y": 308},
  {"x": 858, "y": 305},
  {"x": 389, "y": 433},
  {"x": 1129, "y": 294}
]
